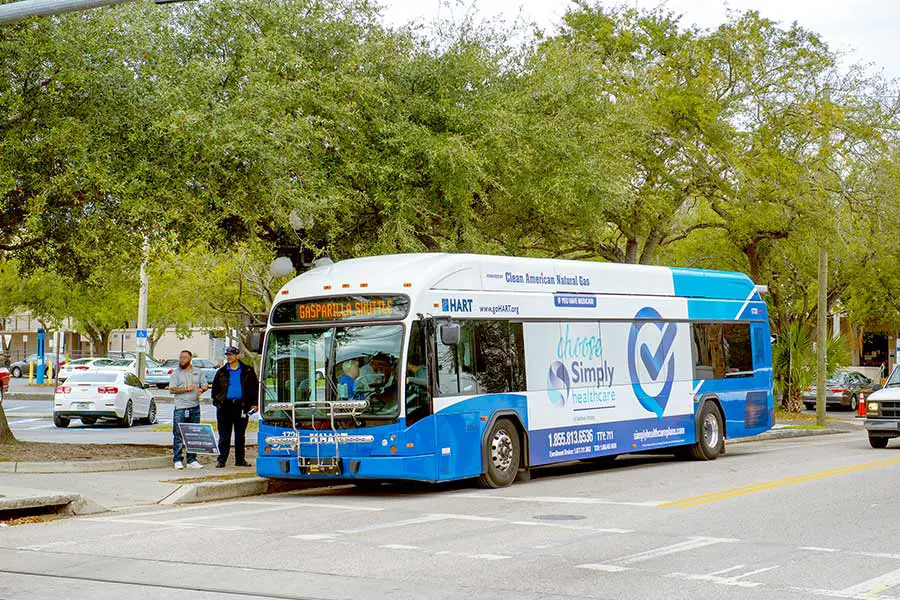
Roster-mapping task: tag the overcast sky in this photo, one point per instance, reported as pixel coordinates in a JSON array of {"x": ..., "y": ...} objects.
[{"x": 866, "y": 29}]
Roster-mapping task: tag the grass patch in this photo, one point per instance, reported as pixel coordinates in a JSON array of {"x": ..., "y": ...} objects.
[
  {"x": 782, "y": 416},
  {"x": 49, "y": 452},
  {"x": 806, "y": 427},
  {"x": 229, "y": 477},
  {"x": 251, "y": 426}
]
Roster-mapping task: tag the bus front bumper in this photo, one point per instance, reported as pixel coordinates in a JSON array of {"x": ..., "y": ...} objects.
[{"x": 417, "y": 467}]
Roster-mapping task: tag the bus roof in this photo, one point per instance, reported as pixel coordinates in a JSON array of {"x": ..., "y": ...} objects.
[{"x": 415, "y": 273}]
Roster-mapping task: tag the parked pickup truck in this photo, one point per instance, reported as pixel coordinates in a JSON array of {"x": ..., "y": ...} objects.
[{"x": 883, "y": 412}]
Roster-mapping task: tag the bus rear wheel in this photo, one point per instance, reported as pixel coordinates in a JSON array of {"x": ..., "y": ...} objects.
[
  {"x": 503, "y": 452},
  {"x": 710, "y": 434}
]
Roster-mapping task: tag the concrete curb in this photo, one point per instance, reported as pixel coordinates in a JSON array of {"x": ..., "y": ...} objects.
[
  {"x": 28, "y": 396},
  {"x": 87, "y": 466},
  {"x": 58, "y": 502},
  {"x": 18, "y": 415},
  {"x": 193, "y": 493},
  {"x": 784, "y": 434}
]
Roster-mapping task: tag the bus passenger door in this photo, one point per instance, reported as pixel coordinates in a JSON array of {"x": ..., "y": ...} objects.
[{"x": 420, "y": 429}]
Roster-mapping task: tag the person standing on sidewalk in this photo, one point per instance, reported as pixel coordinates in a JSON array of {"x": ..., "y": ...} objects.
[
  {"x": 186, "y": 385},
  {"x": 235, "y": 393}
]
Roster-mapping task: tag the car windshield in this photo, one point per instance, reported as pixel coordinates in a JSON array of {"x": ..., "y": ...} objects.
[
  {"x": 838, "y": 379},
  {"x": 172, "y": 362},
  {"x": 121, "y": 363},
  {"x": 310, "y": 366},
  {"x": 894, "y": 379},
  {"x": 93, "y": 377},
  {"x": 80, "y": 361}
]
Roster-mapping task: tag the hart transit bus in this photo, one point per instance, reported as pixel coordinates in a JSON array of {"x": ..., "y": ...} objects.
[{"x": 438, "y": 367}]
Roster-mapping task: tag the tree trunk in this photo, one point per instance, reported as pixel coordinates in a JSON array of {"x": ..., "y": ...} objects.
[
  {"x": 795, "y": 401},
  {"x": 6, "y": 434},
  {"x": 751, "y": 251}
]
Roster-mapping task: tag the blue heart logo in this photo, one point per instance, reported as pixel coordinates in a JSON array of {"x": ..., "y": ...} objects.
[
  {"x": 655, "y": 361},
  {"x": 558, "y": 384}
]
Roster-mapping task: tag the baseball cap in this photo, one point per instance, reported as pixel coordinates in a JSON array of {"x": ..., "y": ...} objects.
[{"x": 232, "y": 350}]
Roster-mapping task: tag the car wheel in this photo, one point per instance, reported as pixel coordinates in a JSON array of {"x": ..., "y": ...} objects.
[
  {"x": 878, "y": 441},
  {"x": 16, "y": 372},
  {"x": 161, "y": 386},
  {"x": 60, "y": 421},
  {"x": 810, "y": 406},
  {"x": 128, "y": 419},
  {"x": 151, "y": 414},
  {"x": 710, "y": 434},
  {"x": 503, "y": 453},
  {"x": 854, "y": 403},
  {"x": 88, "y": 420}
]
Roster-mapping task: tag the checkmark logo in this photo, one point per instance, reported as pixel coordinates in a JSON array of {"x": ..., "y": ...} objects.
[{"x": 655, "y": 362}]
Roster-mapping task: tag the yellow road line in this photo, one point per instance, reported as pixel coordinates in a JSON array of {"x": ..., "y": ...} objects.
[{"x": 779, "y": 483}]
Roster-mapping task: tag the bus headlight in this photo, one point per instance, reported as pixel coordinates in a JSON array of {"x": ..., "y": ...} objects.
[{"x": 873, "y": 408}]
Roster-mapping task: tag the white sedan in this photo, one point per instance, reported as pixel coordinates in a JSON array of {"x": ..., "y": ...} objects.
[
  {"x": 103, "y": 394},
  {"x": 130, "y": 365},
  {"x": 82, "y": 364}
]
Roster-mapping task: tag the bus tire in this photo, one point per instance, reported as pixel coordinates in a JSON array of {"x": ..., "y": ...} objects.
[
  {"x": 503, "y": 452},
  {"x": 877, "y": 441},
  {"x": 710, "y": 434}
]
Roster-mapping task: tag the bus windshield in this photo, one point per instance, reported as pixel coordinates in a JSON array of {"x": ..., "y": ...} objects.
[{"x": 309, "y": 367}]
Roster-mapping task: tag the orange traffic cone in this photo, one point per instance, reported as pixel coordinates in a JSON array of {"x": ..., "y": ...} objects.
[{"x": 861, "y": 406}]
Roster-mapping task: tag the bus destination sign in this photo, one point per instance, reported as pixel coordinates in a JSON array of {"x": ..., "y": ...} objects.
[{"x": 342, "y": 308}]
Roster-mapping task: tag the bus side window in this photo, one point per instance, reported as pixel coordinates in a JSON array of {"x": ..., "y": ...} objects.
[
  {"x": 721, "y": 350},
  {"x": 492, "y": 359},
  {"x": 418, "y": 402}
]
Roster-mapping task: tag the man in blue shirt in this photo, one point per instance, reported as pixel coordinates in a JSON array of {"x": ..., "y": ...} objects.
[{"x": 235, "y": 393}]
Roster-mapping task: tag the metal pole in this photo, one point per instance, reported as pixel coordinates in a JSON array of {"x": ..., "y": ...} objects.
[
  {"x": 822, "y": 337},
  {"x": 142, "y": 313},
  {"x": 17, "y": 11}
]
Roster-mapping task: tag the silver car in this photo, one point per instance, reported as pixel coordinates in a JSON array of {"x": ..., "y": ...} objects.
[{"x": 159, "y": 376}]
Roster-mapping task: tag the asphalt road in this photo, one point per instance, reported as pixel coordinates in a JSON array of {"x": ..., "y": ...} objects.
[
  {"x": 811, "y": 518},
  {"x": 31, "y": 421}
]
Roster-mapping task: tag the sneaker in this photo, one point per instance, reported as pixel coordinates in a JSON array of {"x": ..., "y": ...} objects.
[
  {"x": 220, "y": 465},
  {"x": 179, "y": 465},
  {"x": 195, "y": 465},
  {"x": 242, "y": 464}
]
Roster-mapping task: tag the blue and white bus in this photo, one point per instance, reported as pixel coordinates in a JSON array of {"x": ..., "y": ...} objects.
[{"x": 438, "y": 367}]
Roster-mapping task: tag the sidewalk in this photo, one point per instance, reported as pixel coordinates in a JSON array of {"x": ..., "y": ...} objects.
[{"x": 97, "y": 492}]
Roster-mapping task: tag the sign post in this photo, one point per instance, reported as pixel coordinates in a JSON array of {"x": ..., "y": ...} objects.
[
  {"x": 141, "y": 347},
  {"x": 40, "y": 352}
]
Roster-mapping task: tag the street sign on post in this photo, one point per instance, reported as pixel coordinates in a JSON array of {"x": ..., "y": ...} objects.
[{"x": 141, "y": 340}]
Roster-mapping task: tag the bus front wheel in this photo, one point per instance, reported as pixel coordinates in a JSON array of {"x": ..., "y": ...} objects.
[
  {"x": 710, "y": 434},
  {"x": 503, "y": 452}
]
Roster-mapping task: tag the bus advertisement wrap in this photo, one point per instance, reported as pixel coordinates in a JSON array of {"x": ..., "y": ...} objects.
[{"x": 588, "y": 381}]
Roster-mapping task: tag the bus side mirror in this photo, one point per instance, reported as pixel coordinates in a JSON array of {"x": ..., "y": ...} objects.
[
  {"x": 256, "y": 339},
  {"x": 450, "y": 334}
]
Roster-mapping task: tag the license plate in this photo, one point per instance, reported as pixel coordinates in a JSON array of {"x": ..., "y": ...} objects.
[
  {"x": 314, "y": 467},
  {"x": 81, "y": 405}
]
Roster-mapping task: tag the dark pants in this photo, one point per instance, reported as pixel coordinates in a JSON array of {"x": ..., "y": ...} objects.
[
  {"x": 229, "y": 417},
  {"x": 183, "y": 415}
]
